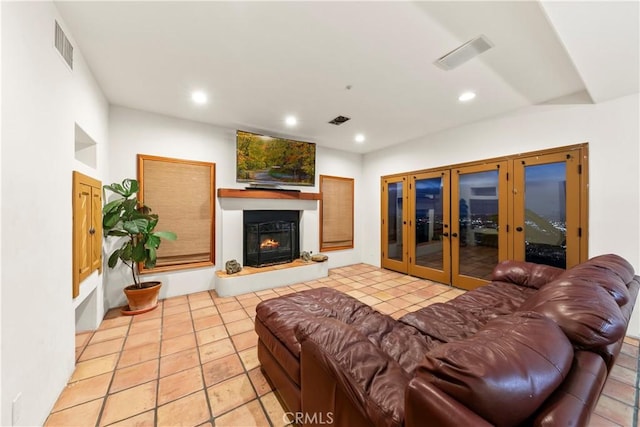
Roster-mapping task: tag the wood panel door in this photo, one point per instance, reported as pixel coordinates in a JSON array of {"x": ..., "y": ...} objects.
[
  {"x": 87, "y": 229},
  {"x": 479, "y": 218},
  {"x": 394, "y": 198},
  {"x": 429, "y": 226},
  {"x": 547, "y": 209}
]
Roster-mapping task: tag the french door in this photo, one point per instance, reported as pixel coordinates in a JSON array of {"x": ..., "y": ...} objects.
[
  {"x": 453, "y": 225},
  {"x": 479, "y": 217},
  {"x": 446, "y": 225},
  {"x": 394, "y": 224},
  {"x": 429, "y": 230},
  {"x": 547, "y": 215}
]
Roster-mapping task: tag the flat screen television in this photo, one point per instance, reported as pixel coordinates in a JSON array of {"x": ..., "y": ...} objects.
[{"x": 270, "y": 161}]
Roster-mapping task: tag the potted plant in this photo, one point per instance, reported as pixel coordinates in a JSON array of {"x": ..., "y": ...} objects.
[{"x": 126, "y": 218}]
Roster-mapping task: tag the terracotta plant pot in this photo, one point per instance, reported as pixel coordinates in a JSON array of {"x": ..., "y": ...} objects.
[{"x": 142, "y": 299}]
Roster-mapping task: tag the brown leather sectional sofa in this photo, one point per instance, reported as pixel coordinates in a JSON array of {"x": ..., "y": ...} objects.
[{"x": 533, "y": 347}]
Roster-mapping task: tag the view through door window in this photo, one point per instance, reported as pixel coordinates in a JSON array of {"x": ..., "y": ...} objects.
[
  {"x": 546, "y": 214},
  {"x": 478, "y": 220}
]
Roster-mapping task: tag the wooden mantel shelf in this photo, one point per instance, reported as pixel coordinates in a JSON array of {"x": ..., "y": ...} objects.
[{"x": 267, "y": 194}]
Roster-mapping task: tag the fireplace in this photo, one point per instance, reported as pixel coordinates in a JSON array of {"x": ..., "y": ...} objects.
[{"x": 271, "y": 237}]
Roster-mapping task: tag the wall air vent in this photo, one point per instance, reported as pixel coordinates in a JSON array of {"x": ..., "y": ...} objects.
[
  {"x": 462, "y": 54},
  {"x": 63, "y": 45},
  {"x": 339, "y": 120}
]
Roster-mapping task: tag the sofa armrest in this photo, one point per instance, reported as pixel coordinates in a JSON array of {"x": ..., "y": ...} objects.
[
  {"x": 524, "y": 273},
  {"x": 572, "y": 403},
  {"x": 338, "y": 362},
  {"x": 427, "y": 404}
]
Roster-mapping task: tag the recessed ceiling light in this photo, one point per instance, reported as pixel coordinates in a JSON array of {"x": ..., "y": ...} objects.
[
  {"x": 359, "y": 138},
  {"x": 199, "y": 97},
  {"x": 291, "y": 121},
  {"x": 467, "y": 96}
]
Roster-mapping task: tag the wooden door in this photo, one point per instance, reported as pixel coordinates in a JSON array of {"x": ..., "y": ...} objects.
[
  {"x": 479, "y": 232},
  {"x": 547, "y": 209},
  {"x": 394, "y": 224},
  {"x": 429, "y": 223}
]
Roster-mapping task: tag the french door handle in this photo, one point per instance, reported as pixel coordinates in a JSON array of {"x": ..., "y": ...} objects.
[
  {"x": 454, "y": 234},
  {"x": 445, "y": 234}
]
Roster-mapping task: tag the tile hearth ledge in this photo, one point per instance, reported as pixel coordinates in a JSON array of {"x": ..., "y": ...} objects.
[{"x": 252, "y": 279}]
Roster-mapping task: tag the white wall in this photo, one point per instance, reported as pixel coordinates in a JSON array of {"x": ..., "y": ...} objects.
[
  {"x": 41, "y": 102},
  {"x": 133, "y": 132},
  {"x": 1, "y": 222},
  {"x": 611, "y": 129}
]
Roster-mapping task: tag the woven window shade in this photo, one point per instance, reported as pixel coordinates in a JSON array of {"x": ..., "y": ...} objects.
[
  {"x": 182, "y": 194},
  {"x": 336, "y": 231}
]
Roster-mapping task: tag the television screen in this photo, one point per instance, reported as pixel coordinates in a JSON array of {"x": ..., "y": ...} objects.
[{"x": 274, "y": 161}]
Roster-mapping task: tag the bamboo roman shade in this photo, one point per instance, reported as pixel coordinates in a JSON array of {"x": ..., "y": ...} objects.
[
  {"x": 181, "y": 192},
  {"x": 336, "y": 228}
]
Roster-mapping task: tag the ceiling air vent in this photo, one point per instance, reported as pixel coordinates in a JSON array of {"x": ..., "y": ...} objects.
[
  {"x": 63, "y": 45},
  {"x": 339, "y": 120},
  {"x": 462, "y": 54}
]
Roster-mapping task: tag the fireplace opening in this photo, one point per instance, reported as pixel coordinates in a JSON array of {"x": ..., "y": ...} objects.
[{"x": 271, "y": 237}]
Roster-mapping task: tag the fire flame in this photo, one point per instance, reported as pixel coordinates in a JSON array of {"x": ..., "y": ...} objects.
[{"x": 269, "y": 244}]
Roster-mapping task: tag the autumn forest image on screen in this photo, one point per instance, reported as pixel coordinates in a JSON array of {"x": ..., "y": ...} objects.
[{"x": 274, "y": 160}]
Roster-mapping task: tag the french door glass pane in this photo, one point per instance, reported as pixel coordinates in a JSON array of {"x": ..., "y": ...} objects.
[
  {"x": 428, "y": 223},
  {"x": 479, "y": 222},
  {"x": 394, "y": 221},
  {"x": 546, "y": 214}
]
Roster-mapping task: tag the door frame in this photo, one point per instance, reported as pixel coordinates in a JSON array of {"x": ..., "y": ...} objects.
[
  {"x": 573, "y": 196},
  {"x": 444, "y": 275},
  {"x": 386, "y": 262},
  {"x": 458, "y": 279}
]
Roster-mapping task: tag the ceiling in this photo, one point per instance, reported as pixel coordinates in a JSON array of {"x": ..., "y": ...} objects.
[{"x": 370, "y": 61}]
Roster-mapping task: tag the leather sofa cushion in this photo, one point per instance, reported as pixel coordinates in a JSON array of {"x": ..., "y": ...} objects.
[
  {"x": 402, "y": 343},
  {"x": 444, "y": 322},
  {"x": 493, "y": 300},
  {"x": 372, "y": 380},
  {"x": 524, "y": 273},
  {"x": 572, "y": 403},
  {"x": 505, "y": 371},
  {"x": 289, "y": 362},
  {"x": 615, "y": 264},
  {"x": 282, "y": 314},
  {"x": 588, "y": 315},
  {"x": 463, "y": 316},
  {"x": 610, "y": 272}
]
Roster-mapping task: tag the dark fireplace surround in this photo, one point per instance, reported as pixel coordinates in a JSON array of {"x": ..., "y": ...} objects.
[{"x": 270, "y": 237}]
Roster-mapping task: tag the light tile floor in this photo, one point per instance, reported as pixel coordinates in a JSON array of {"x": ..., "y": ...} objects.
[{"x": 193, "y": 362}]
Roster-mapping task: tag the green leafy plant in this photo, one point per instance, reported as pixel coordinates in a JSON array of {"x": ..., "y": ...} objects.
[{"x": 126, "y": 217}]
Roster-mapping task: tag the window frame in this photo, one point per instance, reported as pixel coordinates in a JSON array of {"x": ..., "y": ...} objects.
[
  {"x": 325, "y": 201},
  {"x": 210, "y": 183}
]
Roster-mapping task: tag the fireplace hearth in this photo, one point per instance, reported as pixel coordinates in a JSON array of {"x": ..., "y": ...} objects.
[{"x": 271, "y": 237}]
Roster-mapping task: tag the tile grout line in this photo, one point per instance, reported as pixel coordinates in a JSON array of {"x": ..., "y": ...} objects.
[
  {"x": 113, "y": 374},
  {"x": 244, "y": 368},
  {"x": 204, "y": 383},
  {"x": 155, "y": 409}
]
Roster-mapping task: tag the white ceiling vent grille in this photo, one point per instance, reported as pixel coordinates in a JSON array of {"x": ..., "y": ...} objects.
[
  {"x": 462, "y": 54},
  {"x": 63, "y": 45}
]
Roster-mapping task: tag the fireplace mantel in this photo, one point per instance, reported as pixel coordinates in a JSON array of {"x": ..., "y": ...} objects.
[{"x": 267, "y": 194}]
